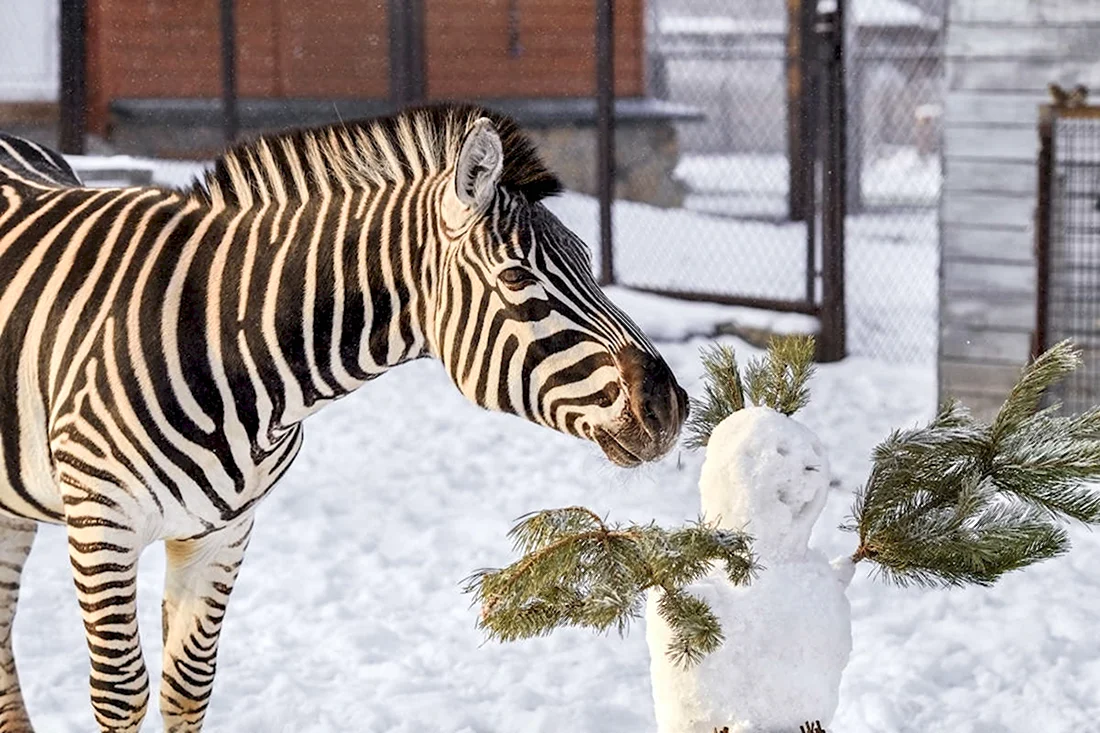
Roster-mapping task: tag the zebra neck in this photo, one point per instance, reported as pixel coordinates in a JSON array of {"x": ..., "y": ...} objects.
[{"x": 332, "y": 293}]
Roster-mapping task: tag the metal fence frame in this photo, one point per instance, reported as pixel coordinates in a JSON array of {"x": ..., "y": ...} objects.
[
  {"x": 1046, "y": 223},
  {"x": 1049, "y": 115}
]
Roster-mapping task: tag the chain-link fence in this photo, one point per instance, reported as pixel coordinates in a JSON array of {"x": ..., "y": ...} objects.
[
  {"x": 895, "y": 91},
  {"x": 734, "y": 234}
]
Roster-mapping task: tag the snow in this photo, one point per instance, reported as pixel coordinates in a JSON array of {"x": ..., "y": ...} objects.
[
  {"x": 788, "y": 639},
  {"x": 788, "y": 633},
  {"x": 755, "y": 184},
  {"x": 883, "y": 13},
  {"x": 711, "y": 25},
  {"x": 765, "y": 473},
  {"x": 348, "y": 613},
  {"x": 170, "y": 173}
]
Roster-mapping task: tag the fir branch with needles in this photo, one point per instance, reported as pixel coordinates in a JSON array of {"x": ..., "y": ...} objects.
[
  {"x": 964, "y": 502},
  {"x": 778, "y": 380},
  {"x": 578, "y": 570}
]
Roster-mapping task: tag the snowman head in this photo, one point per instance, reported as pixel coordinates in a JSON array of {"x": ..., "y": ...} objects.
[{"x": 767, "y": 474}]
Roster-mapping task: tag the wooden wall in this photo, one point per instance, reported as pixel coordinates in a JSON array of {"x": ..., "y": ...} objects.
[
  {"x": 340, "y": 49},
  {"x": 1001, "y": 54}
]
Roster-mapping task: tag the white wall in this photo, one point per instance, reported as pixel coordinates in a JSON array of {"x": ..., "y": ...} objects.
[{"x": 29, "y": 50}]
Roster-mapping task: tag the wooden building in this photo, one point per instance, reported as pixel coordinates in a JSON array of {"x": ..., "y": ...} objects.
[{"x": 1001, "y": 55}]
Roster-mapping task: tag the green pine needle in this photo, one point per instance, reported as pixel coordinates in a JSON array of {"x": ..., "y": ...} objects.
[
  {"x": 724, "y": 392},
  {"x": 964, "y": 502},
  {"x": 778, "y": 380},
  {"x": 577, "y": 570}
]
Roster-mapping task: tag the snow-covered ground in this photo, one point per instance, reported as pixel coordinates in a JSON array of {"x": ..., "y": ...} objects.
[
  {"x": 755, "y": 184},
  {"x": 348, "y": 615}
]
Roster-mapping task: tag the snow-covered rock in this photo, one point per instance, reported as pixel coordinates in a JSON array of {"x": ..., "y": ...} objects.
[{"x": 788, "y": 633}]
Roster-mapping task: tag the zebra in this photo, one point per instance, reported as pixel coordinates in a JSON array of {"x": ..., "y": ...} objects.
[{"x": 160, "y": 349}]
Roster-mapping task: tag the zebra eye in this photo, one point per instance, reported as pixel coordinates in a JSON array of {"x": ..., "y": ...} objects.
[{"x": 517, "y": 278}]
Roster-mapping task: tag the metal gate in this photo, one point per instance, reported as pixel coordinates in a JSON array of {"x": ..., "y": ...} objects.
[
  {"x": 766, "y": 200},
  {"x": 813, "y": 185},
  {"x": 1068, "y": 242}
]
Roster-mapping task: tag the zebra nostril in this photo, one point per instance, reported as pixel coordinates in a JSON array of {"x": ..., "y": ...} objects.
[{"x": 656, "y": 400}]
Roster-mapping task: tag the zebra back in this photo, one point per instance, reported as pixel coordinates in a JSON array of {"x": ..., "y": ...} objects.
[{"x": 25, "y": 161}]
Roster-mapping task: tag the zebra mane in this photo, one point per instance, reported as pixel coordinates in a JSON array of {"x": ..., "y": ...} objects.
[{"x": 373, "y": 152}]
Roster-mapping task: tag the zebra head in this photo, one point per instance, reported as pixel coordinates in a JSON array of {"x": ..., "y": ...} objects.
[{"x": 522, "y": 325}]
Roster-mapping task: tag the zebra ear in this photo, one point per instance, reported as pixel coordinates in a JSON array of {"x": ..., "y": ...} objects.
[{"x": 479, "y": 166}]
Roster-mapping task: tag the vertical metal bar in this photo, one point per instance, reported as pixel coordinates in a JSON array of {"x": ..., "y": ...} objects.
[
  {"x": 399, "y": 37},
  {"x": 231, "y": 121},
  {"x": 800, "y": 54},
  {"x": 406, "y": 21},
  {"x": 832, "y": 346},
  {"x": 854, "y": 91},
  {"x": 416, "y": 51},
  {"x": 73, "y": 98},
  {"x": 605, "y": 132},
  {"x": 809, "y": 151},
  {"x": 1042, "y": 227}
]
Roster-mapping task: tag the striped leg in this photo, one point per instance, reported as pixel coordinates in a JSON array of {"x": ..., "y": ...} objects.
[
  {"x": 103, "y": 551},
  {"x": 199, "y": 579},
  {"x": 16, "y": 536}
]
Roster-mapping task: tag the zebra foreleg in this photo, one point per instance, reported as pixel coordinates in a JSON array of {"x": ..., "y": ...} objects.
[
  {"x": 198, "y": 582},
  {"x": 105, "y": 544},
  {"x": 103, "y": 551},
  {"x": 16, "y": 536}
]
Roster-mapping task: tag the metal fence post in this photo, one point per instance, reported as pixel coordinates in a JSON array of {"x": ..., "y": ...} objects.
[
  {"x": 1042, "y": 227},
  {"x": 73, "y": 96},
  {"x": 406, "y": 20},
  {"x": 800, "y": 107},
  {"x": 832, "y": 345},
  {"x": 605, "y": 132},
  {"x": 231, "y": 120}
]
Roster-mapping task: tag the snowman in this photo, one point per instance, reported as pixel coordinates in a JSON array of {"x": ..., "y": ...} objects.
[{"x": 788, "y": 632}]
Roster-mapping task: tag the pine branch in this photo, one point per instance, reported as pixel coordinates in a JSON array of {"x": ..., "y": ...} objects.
[
  {"x": 1045, "y": 371},
  {"x": 778, "y": 380},
  {"x": 963, "y": 502},
  {"x": 577, "y": 570},
  {"x": 724, "y": 392}
]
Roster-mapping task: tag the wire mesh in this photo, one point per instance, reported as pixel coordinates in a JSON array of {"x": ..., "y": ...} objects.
[
  {"x": 895, "y": 90},
  {"x": 1073, "y": 311},
  {"x": 733, "y": 234}
]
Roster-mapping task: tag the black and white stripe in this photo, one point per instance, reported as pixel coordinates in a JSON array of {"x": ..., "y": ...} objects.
[{"x": 161, "y": 348}]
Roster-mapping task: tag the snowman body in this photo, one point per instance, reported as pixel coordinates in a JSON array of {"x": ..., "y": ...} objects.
[{"x": 788, "y": 632}]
